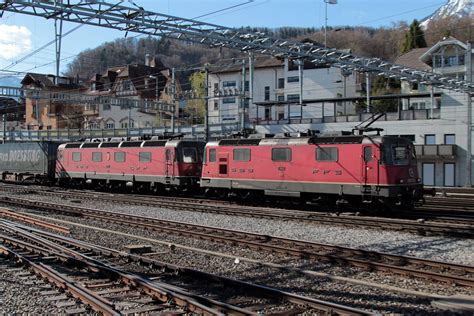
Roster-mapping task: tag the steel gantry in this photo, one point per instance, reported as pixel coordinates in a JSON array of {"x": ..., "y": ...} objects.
[{"x": 136, "y": 19}]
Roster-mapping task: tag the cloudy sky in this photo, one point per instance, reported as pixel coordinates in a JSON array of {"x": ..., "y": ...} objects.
[{"x": 21, "y": 34}]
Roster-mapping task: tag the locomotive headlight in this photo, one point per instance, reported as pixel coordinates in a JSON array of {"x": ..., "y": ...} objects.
[
  {"x": 418, "y": 180},
  {"x": 401, "y": 181}
]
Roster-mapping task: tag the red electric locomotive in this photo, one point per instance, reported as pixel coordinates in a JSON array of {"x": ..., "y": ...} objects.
[
  {"x": 142, "y": 165},
  {"x": 353, "y": 169}
]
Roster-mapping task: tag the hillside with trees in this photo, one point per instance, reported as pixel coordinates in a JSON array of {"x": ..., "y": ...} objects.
[{"x": 385, "y": 42}]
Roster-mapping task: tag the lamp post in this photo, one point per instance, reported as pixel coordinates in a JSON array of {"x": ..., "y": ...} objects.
[
  {"x": 156, "y": 94},
  {"x": 326, "y": 20}
]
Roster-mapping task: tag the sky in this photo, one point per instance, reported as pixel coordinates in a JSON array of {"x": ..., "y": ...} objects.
[{"x": 21, "y": 34}]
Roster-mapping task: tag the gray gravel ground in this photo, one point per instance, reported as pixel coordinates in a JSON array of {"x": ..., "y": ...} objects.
[
  {"x": 446, "y": 249},
  {"x": 363, "y": 297},
  {"x": 441, "y": 248},
  {"x": 20, "y": 294}
]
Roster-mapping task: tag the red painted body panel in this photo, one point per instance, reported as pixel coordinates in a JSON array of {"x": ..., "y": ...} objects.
[
  {"x": 158, "y": 166},
  {"x": 303, "y": 167}
]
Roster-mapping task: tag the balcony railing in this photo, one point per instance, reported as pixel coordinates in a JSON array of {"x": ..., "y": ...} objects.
[
  {"x": 436, "y": 152},
  {"x": 405, "y": 115}
]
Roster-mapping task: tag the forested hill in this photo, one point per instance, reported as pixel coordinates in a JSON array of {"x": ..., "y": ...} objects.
[{"x": 373, "y": 42}]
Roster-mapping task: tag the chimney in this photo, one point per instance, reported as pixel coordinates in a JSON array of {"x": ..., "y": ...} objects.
[{"x": 148, "y": 60}]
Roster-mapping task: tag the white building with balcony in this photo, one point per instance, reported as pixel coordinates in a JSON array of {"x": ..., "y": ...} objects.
[
  {"x": 442, "y": 133},
  {"x": 276, "y": 81}
]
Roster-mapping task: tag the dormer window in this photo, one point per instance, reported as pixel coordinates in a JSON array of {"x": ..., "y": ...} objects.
[{"x": 126, "y": 85}]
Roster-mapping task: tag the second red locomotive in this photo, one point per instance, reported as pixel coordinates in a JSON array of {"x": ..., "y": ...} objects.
[{"x": 143, "y": 165}]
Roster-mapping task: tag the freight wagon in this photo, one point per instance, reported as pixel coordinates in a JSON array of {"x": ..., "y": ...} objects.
[{"x": 28, "y": 162}]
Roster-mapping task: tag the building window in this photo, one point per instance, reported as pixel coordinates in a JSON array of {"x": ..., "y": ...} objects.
[
  {"x": 106, "y": 105},
  {"x": 293, "y": 98},
  {"x": 35, "y": 112},
  {"x": 327, "y": 154},
  {"x": 281, "y": 98},
  {"x": 144, "y": 156},
  {"x": 216, "y": 105},
  {"x": 293, "y": 79},
  {"x": 97, "y": 156},
  {"x": 267, "y": 93},
  {"x": 450, "y": 139},
  {"x": 246, "y": 85},
  {"x": 212, "y": 155},
  {"x": 119, "y": 156},
  {"x": 450, "y": 61},
  {"x": 430, "y": 139},
  {"x": 428, "y": 173},
  {"x": 281, "y": 83},
  {"x": 449, "y": 174},
  {"x": 281, "y": 154},
  {"x": 76, "y": 156},
  {"x": 241, "y": 154},
  {"x": 124, "y": 125},
  {"x": 228, "y": 100},
  {"x": 410, "y": 137},
  {"x": 229, "y": 84},
  {"x": 109, "y": 125},
  {"x": 126, "y": 85}
]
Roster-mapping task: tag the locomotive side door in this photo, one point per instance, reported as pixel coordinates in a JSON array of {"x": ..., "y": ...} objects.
[
  {"x": 370, "y": 166},
  {"x": 169, "y": 159},
  {"x": 223, "y": 162}
]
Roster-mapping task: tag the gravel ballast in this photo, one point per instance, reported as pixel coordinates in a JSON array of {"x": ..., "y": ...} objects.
[{"x": 440, "y": 248}]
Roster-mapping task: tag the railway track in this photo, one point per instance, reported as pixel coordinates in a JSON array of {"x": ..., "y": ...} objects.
[
  {"x": 30, "y": 246},
  {"x": 438, "y": 226},
  {"x": 375, "y": 261}
]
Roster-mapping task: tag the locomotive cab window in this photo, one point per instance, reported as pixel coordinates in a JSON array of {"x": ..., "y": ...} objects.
[
  {"x": 212, "y": 155},
  {"x": 189, "y": 155},
  {"x": 241, "y": 154},
  {"x": 281, "y": 154},
  {"x": 400, "y": 155},
  {"x": 97, "y": 156},
  {"x": 168, "y": 154},
  {"x": 144, "y": 156},
  {"x": 119, "y": 157},
  {"x": 327, "y": 153},
  {"x": 76, "y": 156}
]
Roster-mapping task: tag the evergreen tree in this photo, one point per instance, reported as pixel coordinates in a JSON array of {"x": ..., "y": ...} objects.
[{"x": 414, "y": 37}]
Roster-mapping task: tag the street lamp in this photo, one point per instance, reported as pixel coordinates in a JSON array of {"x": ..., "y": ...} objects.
[{"x": 326, "y": 20}]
